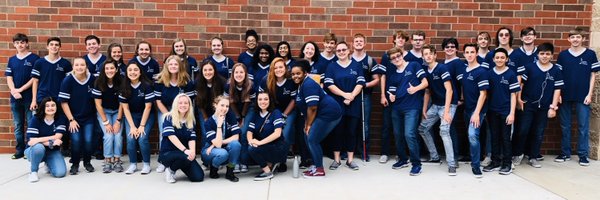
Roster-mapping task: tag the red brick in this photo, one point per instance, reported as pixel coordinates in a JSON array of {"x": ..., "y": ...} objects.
[
  {"x": 447, "y": 19},
  {"x": 300, "y": 3},
  {"x": 314, "y": 10},
  {"x": 381, "y": 4},
  {"x": 49, "y": 25},
  {"x": 378, "y": 11},
  {"x": 230, "y": 8},
  {"x": 68, "y": 11},
  {"x": 545, "y": 14},
  {"x": 89, "y": 12},
  {"x": 356, "y": 11},
  {"x": 102, "y": 5},
  {"x": 425, "y": 5},
  {"x": 292, "y": 9},
  {"x": 468, "y": 6},
  {"x": 166, "y": 6}
]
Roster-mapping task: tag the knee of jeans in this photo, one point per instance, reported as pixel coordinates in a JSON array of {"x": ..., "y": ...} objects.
[
  {"x": 473, "y": 138},
  {"x": 108, "y": 137},
  {"x": 235, "y": 145},
  {"x": 38, "y": 149},
  {"x": 218, "y": 153},
  {"x": 59, "y": 173}
]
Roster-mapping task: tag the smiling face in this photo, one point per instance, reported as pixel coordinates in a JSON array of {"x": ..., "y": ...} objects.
[
  {"x": 133, "y": 72},
  {"x": 21, "y": 45},
  {"x": 504, "y": 37},
  {"x": 173, "y": 66},
  {"x": 179, "y": 48},
  {"x": 79, "y": 67},
  {"x": 263, "y": 56},
  {"x": 92, "y": 46},
  {"x": 545, "y": 57},
  {"x": 144, "y": 51},
  {"x": 483, "y": 41},
  {"x": 309, "y": 51},
  {"x": 470, "y": 54},
  {"x": 183, "y": 105},
  {"x": 251, "y": 43},
  {"x": 263, "y": 101},
  {"x": 283, "y": 50},
  {"x": 576, "y": 40},
  {"x": 399, "y": 41},
  {"x": 53, "y": 47},
  {"x": 500, "y": 59},
  {"x": 216, "y": 46},
  {"x": 397, "y": 59},
  {"x": 239, "y": 74},
  {"x": 341, "y": 51},
  {"x": 110, "y": 70},
  {"x": 50, "y": 108},
  {"x": 329, "y": 46},
  {"x": 116, "y": 53},
  {"x": 298, "y": 75},
  {"x": 429, "y": 56},
  {"x": 208, "y": 71},
  {"x": 222, "y": 107},
  {"x": 358, "y": 43},
  {"x": 279, "y": 69},
  {"x": 528, "y": 38},
  {"x": 450, "y": 49}
]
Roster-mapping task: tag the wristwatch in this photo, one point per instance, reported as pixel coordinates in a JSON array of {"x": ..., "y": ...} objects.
[
  {"x": 50, "y": 144},
  {"x": 553, "y": 107}
]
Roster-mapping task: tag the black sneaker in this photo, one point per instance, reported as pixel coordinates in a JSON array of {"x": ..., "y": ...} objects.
[
  {"x": 17, "y": 156},
  {"x": 506, "y": 170},
  {"x": 492, "y": 167},
  {"x": 562, "y": 158},
  {"x": 435, "y": 161},
  {"x": 400, "y": 164},
  {"x": 477, "y": 172},
  {"x": 282, "y": 168},
  {"x": 88, "y": 167},
  {"x": 305, "y": 164},
  {"x": 539, "y": 157},
  {"x": 74, "y": 170},
  {"x": 583, "y": 161},
  {"x": 263, "y": 176},
  {"x": 451, "y": 171}
]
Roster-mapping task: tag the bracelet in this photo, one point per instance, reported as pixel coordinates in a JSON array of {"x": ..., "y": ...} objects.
[
  {"x": 105, "y": 123},
  {"x": 121, "y": 119},
  {"x": 219, "y": 127},
  {"x": 71, "y": 120}
]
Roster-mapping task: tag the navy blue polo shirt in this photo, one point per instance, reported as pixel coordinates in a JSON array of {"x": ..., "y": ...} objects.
[
  {"x": 39, "y": 128},
  {"x": 576, "y": 72},
  {"x": 473, "y": 81},
  {"x": 224, "y": 65},
  {"x": 512, "y": 61},
  {"x": 368, "y": 64},
  {"x": 539, "y": 85},
  {"x": 184, "y": 134},
  {"x": 310, "y": 93},
  {"x": 284, "y": 93},
  {"x": 521, "y": 58},
  {"x": 50, "y": 75},
  {"x": 259, "y": 71},
  {"x": 79, "y": 97},
  {"x": 246, "y": 58},
  {"x": 346, "y": 78},
  {"x": 274, "y": 121},
  {"x": 454, "y": 67},
  {"x": 109, "y": 97},
  {"x": 502, "y": 85},
  {"x": 436, "y": 78},
  {"x": 410, "y": 57},
  {"x": 19, "y": 68},
  {"x": 399, "y": 81}
]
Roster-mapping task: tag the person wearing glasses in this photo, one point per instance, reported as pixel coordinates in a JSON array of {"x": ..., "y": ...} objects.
[
  {"x": 542, "y": 84},
  {"x": 453, "y": 65},
  {"x": 416, "y": 53},
  {"x": 504, "y": 39}
]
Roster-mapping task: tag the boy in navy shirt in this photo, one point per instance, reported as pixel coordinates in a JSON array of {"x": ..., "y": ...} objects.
[
  {"x": 474, "y": 81},
  {"x": 328, "y": 54},
  {"x": 504, "y": 39},
  {"x": 443, "y": 107},
  {"x": 416, "y": 54},
  {"x": 542, "y": 83},
  {"x": 18, "y": 79},
  {"x": 47, "y": 73},
  {"x": 501, "y": 113},
  {"x": 94, "y": 59},
  {"x": 453, "y": 65},
  {"x": 579, "y": 67}
]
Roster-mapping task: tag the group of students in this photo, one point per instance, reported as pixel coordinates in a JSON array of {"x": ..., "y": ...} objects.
[{"x": 252, "y": 111}]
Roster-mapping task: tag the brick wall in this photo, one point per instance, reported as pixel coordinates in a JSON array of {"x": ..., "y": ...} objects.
[{"x": 297, "y": 21}]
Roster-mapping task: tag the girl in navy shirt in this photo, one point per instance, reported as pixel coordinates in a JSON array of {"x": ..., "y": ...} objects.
[
  {"x": 221, "y": 140},
  {"x": 94, "y": 59},
  {"x": 266, "y": 146},
  {"x": 252, "y": 39},
  {"x": 501, "y": 114},
  {"x": 143, "y": 58},
  {"x": 76, "y": 101},
  {"x": 308, "y": 53},
  {"x": 172, "y": 80},
  {"x": 136, "y": 99},
  {"x": 44, "y": 134},
  {"x": 178, "y": 146},
  {"x": 321, "y": 111},
  {"x": 18, "y": 80},
  {"x": 283, "y": 91},
  {"x": 405, "y": 87},
  {"x": 48, "y": 73},
  {"x": 208, "y": 86},
  {"x": 241, "y": 92},
  {"x": 179, "y": 48},
  {"x": 474, "y": 81},
  {"x": 284, "y": 50},
  {"x": 223, "y": 63},
  {"x": 542, "y": 85},
  {"x": 345, "y": 79},
  {"x": 110, "y": 115},
  {"x": 263, "y": 56},
  {"x": 115, "y": 54}
]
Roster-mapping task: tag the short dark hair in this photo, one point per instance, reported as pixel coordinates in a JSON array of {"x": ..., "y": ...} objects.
[
  {"x": 501, "y": 50},
  {"x": 53, "y": 39},
  {"x": 430, "y": 47},
  {"x": 470, "y": 45},
  {"x": 526, "y": 30},
  {"x": 91, "y": 37},
  {"x": 252, "y": 32},
  {"x": 303, "y": 64},
  {"x": 546, "y": 46},
  {"x": 20, "y": 37},
  {"x": 447, "y": 41},
  {"x": 418, "y": 32}
]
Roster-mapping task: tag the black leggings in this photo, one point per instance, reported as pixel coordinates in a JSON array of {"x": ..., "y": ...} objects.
[
  {"x": 344, "y": 134},
  {"x": 176, "y": 160}
]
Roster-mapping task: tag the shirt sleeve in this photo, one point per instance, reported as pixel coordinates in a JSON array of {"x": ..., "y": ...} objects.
[
  {"x": 483, "y": 81},
  {"x": 68, "y": 66},
  {"x": 190, "y": 90},
  {"x": 311, "y": 94},
  {"x": 328, "y": 78},
  {"x": 558, "y": 80},
  {"x": 37, "y": 66},
  {"x": 211, "y": 129},
  {"x": 445, "y": 74},
  {"x": 32, "y": 128},
  {"x": 277, "y": 119},
  {"x": 149, "y": 95},
  {"x": 96, "y": 93},
  {"x": 168, "y": 128},
  {"x": 8, "y": 71},
  {"x": 360, "y": 78},
  {"x": 594, "y": 62},
  {"x": 158, "y": 88},
  {"x": 61, "y": 125},
  {"x": 64, "y": 95},
  {"x": 232, "y": 125},
  {"x": 488, "y": 59},
  {"x": 513, "y": 84}
]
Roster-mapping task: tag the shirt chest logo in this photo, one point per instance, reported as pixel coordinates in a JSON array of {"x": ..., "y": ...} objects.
[
  {"x": 436, "y": 77},
  {"x": 408, "y": 73},
  {"x": 504, "y": 81},
  {"x": 470, "y": 77},
  {"x": 59, "y": 68},
  {"x": 27, "y": 64},
  {"x": 583, "y": 62},
  {"x": 286, "y": 92},
  {"x": 352, "y": 72},
  {"x": 140, "y": 94}
]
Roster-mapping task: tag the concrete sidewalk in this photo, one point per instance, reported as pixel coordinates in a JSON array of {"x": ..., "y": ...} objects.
[{"x": 372, "y": 181}]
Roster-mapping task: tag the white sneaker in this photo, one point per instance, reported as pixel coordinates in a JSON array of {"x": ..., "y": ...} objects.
[
  {"x": 517, "y": 159},
  {"x": 383, "y": 159},
  {"x": 160, "y": 168},
  {"x": 146, "y": 169},
  {"x": 170, "y": 176},
  {"x": 236, "y": 169},
  {"x": 486, "y": 161},
  {"x": 244, "y": 168},
  {"x": 131, "y": 169},
  {"x": 33, "y": 177}
]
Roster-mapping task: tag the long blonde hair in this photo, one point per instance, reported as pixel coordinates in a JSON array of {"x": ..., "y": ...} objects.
[
  {"x": 176, "y": 116},
  {"x": 182, "y": 76}
]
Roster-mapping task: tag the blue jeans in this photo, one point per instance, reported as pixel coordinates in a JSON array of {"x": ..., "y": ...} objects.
[
  {"x": 386, "y": 129},
  {"x": 474, "y": 143},
  {"x": 160, "y": 118},
  {"x": 583, "y": 127},
  {"x": 405, "y": 124},
  {"x": 533, "y": 121},
  {"x": 81, "y": 142},
  {"x": 142, "y": 140},
  {"x": 289, "y": 129},
  {"x": 434, "y": 114},
  {"x": 53, "y": 158},
  {"x": 319, "y": 129},
  {"x": 20, "y": 111},
  {"x": 219, "y": 156},
  {"x": 113, "y": 142}
]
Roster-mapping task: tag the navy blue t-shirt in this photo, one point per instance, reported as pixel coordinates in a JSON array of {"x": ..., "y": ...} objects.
[
  {"x": 150, "y": 68},
  {"x": 473, "y": 81},
  {"x": 94, "y": 66},
  {"x": 576, "y": 72},
  {"x": 224, "y": 66},
  {"x": 320, "y": 67},
  {"x": 166, "y": 95},
  {"x": 109, "y": 97},
  {"x": 79, "y": 97},
  {"x": 274, "y": 121},
  {"x": 284, "y": 93},
  {"x": 512, "y": 64},
  {"x": 410, "y": 57},
  {"x": 480, "y": 59},
  {"x": 50, "y": 75},
  {"x": 455, "y": 66},
  {"x": 521, "y": 58},
  {"x": 539, "y": 85},
  {"x": 230, "y": 128},
  {"x": 502, "y": 85},
  {"x": 184, "y": 134},
  {"x": 20, "y": 70},
  {"x": 309, "y": 94},
  {"x": 368, "y": 64},
  {"x": 290, "y": 63},
  {"x": 140, "y": 95},
  {"x": 39, "y": 128},
  {"x": 399, "y": 81},
  {"x": 246, "y": 58},
  {"x": 436, "y": 79},
  {"x": 259, "y": 71},
  {"x": 239, "y": 104},
  {"x": 192, "y": 67},
  {"x": 346, "y": 78}
]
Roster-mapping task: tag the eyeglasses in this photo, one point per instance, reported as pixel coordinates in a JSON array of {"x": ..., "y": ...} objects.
[
  {"x": 341, "y": 50},
  {"x": 395, "y": 57},
  {"x": 450, "y": 47},
  {"x": 504, "y": 34},
  {"x": 530, "y": 34}
]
